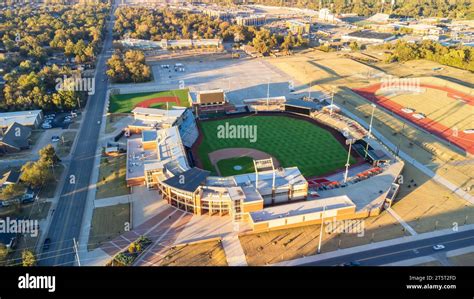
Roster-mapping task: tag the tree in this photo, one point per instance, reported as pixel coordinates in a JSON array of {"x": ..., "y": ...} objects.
[
  {"x": 354, "y": 46},
  {"x": 48, "y": 155},
  {"x": 28, "y": 258},
  {"x": 128, "y": 67},
  {"x": 3, "y": 252},
  {"x": 12, "y": 190},
  {"x": 38, "y": 174}
]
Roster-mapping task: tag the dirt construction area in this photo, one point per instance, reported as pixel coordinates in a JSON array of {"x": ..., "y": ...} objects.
[
  {"x": 287, "y": 244},
  {"x": 205, "y": 253}
]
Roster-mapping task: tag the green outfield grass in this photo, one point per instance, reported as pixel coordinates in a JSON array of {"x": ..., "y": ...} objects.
[
  {"x": 293, "y": 142},
  {"x": 226, "y": 166},
  {"x": 124, "y": 103}
]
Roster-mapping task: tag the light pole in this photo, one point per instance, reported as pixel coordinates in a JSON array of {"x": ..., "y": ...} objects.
[
  {"x": 268, "y": 91},
  {"x": 370, "y": 128},
  {"x": 348, "y": 141},
  {"x": 332, "y": 103},
  {"x": 371, "y": 119},
  {"x": 400, "y": 139},
  {"x": 321, "y": 230}
]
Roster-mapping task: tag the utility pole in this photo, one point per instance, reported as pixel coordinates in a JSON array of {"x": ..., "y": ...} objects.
[
  {"x": 321, "y": 230},
  {"x": 76, "y": 252}
]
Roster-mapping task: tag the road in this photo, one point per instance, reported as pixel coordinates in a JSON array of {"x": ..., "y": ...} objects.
[
  {"x": 402, "y": 251},
  {"x": 67, "y": 218}
]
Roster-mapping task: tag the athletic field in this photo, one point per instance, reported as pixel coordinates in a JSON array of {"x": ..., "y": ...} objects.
[
  {"x": 445, "y": 112},
  {"x": 291, "y": 141},
  {"x": 124, "y": 103}
]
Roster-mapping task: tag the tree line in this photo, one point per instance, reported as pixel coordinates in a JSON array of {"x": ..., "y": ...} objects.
[
  {"x": 456, "y": 56},
  {"x": 455, "y": 9},
  {"x": 158, "y": 24},
  {"x": 128, "y": 67},
  {"x": 31, "y": 42}
]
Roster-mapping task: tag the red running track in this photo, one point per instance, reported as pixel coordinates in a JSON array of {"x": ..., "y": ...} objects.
[
  {"x": 149, "y": 102},
  {"x": 462, "y": 140}
]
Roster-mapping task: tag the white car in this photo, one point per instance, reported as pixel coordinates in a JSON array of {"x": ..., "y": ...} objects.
[
  {"x": 438, "y": 247},
  {"x": 46, "y": 126}
]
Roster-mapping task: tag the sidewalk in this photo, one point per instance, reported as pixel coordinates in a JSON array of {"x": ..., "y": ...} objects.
[
  {"x": 402, "y": 222},
  {"x": 233, "y": 250},
  {"x": 376, "y": 245},
  {"x": 111, "y": 201},
  {"x": 89, "y": 207},
  {"x": 427, "y": 259}
]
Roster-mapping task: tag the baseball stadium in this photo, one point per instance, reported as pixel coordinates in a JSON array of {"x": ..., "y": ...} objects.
[
  {"x": 270, "y": 163},
  {"x": 449, "y": 113}
]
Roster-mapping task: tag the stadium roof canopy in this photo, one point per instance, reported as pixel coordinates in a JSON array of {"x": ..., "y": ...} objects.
[
  {"x": 189, "y": 180},
  {"x": 303, "y": 104}
]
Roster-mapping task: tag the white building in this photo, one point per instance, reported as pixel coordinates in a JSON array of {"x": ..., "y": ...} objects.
[{"x": 30, "y": 118}]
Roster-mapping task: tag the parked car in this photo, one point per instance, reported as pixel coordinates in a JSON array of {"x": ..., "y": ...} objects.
[
  {"x": 55, "y": 138},
  {"x": 46, "y": 244},
  {"x": 46, "y": 126},
  {"x": 351, "y": 264}
]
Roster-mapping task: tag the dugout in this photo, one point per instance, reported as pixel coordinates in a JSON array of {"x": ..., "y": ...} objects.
[{"x": 302, "y": 107}]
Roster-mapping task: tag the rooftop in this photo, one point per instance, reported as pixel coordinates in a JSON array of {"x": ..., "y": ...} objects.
[
  {"x": 306, "y": 208},
  {"x": 189, "y": 180},
  {"x": 23, "y": 117},
  {"x": 370, "y": 34}
]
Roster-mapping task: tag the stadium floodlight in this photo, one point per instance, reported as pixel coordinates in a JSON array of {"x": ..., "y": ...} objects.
[
  {"x": 332, "y": 103},
  {"x": 371, "y": 119},
  {"x": 321, "y": 229},
  {"x": 350, "y": 142}
]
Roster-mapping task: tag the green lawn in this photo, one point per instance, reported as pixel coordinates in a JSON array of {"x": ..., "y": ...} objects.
[
  {"x": 112, "y": 173},
  {"x": 124, "y": 103},
  {"x": 107, "y": 223},
  {"x": 293, "y": 142},
  {"x": 226, "y": 167}
]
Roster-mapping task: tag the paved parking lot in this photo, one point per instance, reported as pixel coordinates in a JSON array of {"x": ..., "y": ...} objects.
[{"x": 242, "y": 78}]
